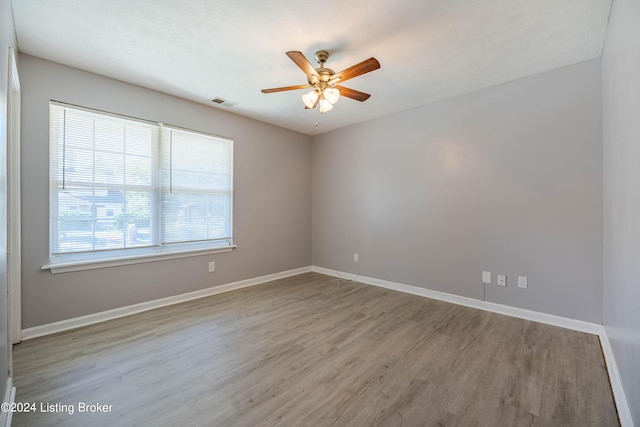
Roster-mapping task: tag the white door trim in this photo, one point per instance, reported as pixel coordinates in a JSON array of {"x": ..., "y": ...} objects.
[{"x": 14, "y": 265}]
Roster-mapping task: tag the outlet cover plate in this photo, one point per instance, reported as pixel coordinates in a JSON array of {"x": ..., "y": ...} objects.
[
  {"x": 502, "y": 280},
  {"x": 522, "y": 282},
  {"x": 486, "y": 277}
]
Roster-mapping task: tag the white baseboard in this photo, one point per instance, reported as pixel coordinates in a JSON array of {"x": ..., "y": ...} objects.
[
  {"x": 10, "y": 398},
  {"x": 90, "y": 319},
  {"x": 577, "y": 325},
  {"x": 550, "y": 319},
  {"x": 624, "y": 412}
]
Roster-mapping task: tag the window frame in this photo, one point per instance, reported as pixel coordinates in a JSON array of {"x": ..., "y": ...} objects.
[{"x": 74, "y": 261}]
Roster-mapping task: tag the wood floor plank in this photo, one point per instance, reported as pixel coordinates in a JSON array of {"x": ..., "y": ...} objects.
[{"x": 312, "y": 350}]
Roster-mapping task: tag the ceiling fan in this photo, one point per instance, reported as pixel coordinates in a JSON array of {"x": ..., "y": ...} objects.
[{"x": 324, "y": 81}]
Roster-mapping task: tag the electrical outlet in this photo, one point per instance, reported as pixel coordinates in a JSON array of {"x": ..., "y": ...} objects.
[
  {"x": 212, "y": 266},
  {"x": 502, "y": 280},
  {"x": 486, "y": 277},
  {"x": 523, "y": 282},
  {"x": 355, "y": 257}
]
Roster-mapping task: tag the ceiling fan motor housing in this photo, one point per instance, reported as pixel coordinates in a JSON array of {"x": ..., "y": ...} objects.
[{"x": 324, "y": 74}]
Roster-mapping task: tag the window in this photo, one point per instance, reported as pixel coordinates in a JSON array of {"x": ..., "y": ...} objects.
[{"x": 122, "y": 187}]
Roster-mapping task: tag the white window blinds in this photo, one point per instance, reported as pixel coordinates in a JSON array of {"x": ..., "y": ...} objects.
[
  {"x": 120, "y": 184},
  {"x": 197, "y": 187}
]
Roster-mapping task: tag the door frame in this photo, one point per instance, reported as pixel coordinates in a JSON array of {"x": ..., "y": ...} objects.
[{"x": 14, "y": 227}]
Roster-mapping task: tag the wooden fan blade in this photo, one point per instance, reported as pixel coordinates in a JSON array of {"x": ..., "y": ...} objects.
[
  {"x": 353, "y": 94},
  {"x": 282, "y": 89},
  {"x": 304, "y": 64},
  {"x": 357, "y": 70}
]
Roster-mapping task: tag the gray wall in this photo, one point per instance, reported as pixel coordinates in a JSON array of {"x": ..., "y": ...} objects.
[
  {"x": 7, "y": 39},
  {"x": 506, "y": 179},
  {"x": 621, "y": 126},
  {"x": 272, "y": 199}
]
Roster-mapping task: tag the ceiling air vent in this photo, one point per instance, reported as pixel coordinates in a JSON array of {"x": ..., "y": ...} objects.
[{"x": 224, "y": 102}]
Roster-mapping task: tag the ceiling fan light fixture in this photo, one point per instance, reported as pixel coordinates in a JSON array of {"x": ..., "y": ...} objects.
[
  {"x": 310, "y": 99},
  {"x": 332, "y": 95}
]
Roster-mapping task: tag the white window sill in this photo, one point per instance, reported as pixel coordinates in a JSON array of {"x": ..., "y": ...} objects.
[{"x": 66, "y": 267}]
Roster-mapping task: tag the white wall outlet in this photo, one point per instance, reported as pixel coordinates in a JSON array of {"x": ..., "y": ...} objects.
[
  {"x": 486, "y": 277},
  {"x": 355, "y": 257},
  {"x": 212, "y": 266},
  {"x": 502, "y": 280},
  {"x": 523, "y": 282}
]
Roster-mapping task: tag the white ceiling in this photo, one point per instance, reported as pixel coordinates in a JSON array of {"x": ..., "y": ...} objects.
[{"x": 199, "y": 49}]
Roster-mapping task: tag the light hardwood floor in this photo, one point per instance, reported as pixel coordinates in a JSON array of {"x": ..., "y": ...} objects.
[{"x": 314, "y": 351}]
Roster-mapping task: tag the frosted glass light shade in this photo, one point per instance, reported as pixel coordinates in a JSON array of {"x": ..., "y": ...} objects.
[
  {"x": 332, "y": 94},
  {"x": 310, "y": 98},
  {"x": 324, "y": 106}
]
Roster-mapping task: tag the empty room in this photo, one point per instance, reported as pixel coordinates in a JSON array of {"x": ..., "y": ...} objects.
[{"x": 365, "y": 213}]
